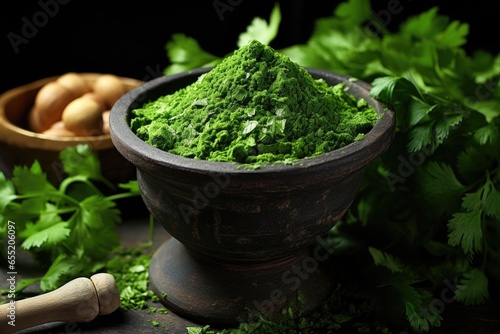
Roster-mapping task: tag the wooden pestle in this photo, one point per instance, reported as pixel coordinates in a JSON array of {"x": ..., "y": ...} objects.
[{"x": 79, "y": 300}]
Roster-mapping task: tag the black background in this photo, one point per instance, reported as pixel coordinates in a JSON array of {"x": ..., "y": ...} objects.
[{"x": 128, "y": 37}]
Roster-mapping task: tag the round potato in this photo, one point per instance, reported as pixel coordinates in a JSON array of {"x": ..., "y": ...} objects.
[
  {"x": 83, "y": 116},
  {"x": 50, "y": 102},
  {"x": 75, "y": 83},
  {"x": 105, "y": 121},
  {"x": 58, "y": 129},
  {"x": 109, "y": 88}
]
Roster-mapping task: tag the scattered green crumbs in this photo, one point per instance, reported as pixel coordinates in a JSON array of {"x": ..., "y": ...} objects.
[
  {"x": 255, "y": 107},
  {"x": 130, "y": 269}
]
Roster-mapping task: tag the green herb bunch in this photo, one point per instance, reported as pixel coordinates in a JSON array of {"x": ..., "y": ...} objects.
[
  {"x": 427, "y": 216},
  {"x": 70, "y": 230}
]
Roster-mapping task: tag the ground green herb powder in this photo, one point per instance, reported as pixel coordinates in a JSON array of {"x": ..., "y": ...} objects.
[{"x": 255, "y": 107}]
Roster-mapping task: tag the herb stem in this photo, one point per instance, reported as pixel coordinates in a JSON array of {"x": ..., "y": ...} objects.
[
  {"x": 151, "y": 229},
  {"x": 78, "y": 178},
  {"x": 121, "y": 196},
  {"x": 52, "y": 193}
]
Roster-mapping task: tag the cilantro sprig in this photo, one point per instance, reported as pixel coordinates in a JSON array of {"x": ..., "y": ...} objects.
[{"x": 70, "y": 229}]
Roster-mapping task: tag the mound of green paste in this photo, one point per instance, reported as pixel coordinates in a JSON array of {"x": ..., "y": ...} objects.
[{"x": 255, "y": 107}]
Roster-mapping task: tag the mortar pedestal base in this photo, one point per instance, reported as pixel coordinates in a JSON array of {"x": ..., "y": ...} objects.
[{"x": 212, "y": 292}]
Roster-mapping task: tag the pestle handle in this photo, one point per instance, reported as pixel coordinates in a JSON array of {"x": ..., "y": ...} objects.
[{"x": 79, "y": 300}]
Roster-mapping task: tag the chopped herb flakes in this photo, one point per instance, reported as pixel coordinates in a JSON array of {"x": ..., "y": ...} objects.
[
  {"x": 130, "y": 269},
  {"x": 256, "y": 106}
]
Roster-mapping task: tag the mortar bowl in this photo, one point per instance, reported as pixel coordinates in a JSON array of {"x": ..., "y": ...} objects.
[{"x": 244, "y": 242}]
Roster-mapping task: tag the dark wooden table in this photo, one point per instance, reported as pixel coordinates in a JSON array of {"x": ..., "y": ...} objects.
[{"x": 484, "y": 319}]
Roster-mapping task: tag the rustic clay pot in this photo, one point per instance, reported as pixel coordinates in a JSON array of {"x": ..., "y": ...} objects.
[{"x": 244, "y": 241}]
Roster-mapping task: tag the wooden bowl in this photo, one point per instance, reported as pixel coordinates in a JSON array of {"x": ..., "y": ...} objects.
[
  {"x": 21, "y": 146},
  {"x": 239, "y": 235}
]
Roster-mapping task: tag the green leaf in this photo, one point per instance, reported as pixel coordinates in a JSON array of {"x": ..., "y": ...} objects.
[
  {"x": 354, "y": 12},
  {"x": 31, "y": 180},
  {"x": 199, "y": 330},
  {"x": 389, "y": 89},
  {"x": 491, "y": 202},
  {"x": 435, "y": 124},
  {"x": 185, "y": 53},
  {"x": 485, "y": 199},
  {"x": 490, "y": 109},
  {"x": 417, "y": 110},
  {"x": 488, "y": 134},
  {"x": 260, "y": 30},
  {"x": 81, "y": 161},
  {"x": 473, "y": 288},
  {"x": 454, "y": 35},
  {"x": 132, "y": 186},
  {"x": 54, "y": 277},
  {"x": 471, "y": 163},
  {"x": 420, "y": 137},
  {"x": 307, "y": 55},
  {"x": 94, "y": 227},
  {"x": 485, "y": 65},
  {"x": 444, "y": 123},
  {"x": 472, "y": 201},
  {"x": 425, "y": 25},
  {"x": 23, "y": 283},
  {"x": 7, "y": 192},
  {"x": 437, "y": 28},
  {"x": 437, "y": 184},
  {"x": 47, "y": 216},
  {"x": 48, "y": 237},
  {"x": 420, "y": 316},
  {"x": 386, "y": 260},
  {"x": 465, "y": 230}
]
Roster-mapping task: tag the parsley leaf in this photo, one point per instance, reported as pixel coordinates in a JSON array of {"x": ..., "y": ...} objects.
[
  {"x": 260, "y": 30},
  {"x": 491, "y": 202},
  {"x": 185, "y": 54},
  {"x": 430, "y": 25},
  {"x": 79, "y": 160},
  {"x": 56, "y": 274},
  {"x": 421, "y": 318},
  {"x": 386, "y": 260},
  {"x": 388, "y": 88},
  {"x": 438, "y": 185},
  {"x": 466, "y": 231},
  {"x": 486, "y": 134},
  {"x": 96, "y": 216},
  {"x": 7, "y": 192},
  {"x": 466, "y": 228},
  {"x": 353, "y": 12},
  {"x": 31, "y": 180},
  {"x": 48, "y": 236},
  {"x": 473, "y": 288}
]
